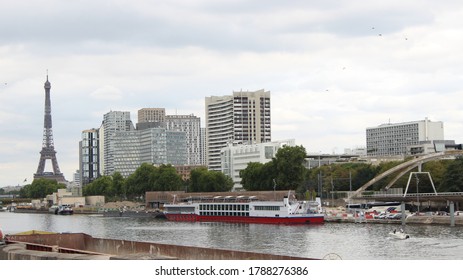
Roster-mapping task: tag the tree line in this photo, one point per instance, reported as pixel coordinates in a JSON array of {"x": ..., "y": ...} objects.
[
  {"x": 40, "y": 188},
  {"x": 151, "y": 178},
  {"x": 286, "y": 171}
]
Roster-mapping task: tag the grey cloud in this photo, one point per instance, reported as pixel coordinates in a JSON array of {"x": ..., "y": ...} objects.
[{"x": 232, "y": 25}]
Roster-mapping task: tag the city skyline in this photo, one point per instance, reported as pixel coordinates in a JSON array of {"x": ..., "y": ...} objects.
[{"x": 333, "y": 68}]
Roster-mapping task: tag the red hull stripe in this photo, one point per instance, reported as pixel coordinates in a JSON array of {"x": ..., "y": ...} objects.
[{"x": 241, "y": 219}]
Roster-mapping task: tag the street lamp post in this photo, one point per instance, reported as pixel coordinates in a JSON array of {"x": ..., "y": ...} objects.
[{"x": 417, "y": 194}]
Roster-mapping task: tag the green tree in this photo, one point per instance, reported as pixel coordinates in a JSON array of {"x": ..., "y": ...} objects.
[
  {"x": 40, "y": 188},
  {"x": 100, "y": 186},
  {"x": 119, "y": 186},
  {"x": 223, "y": 183},
  {"x": 362, "y": 173},
  {"x": 140, "y": 181},
  {"x": 437, "y": 170},
  {"x": 203, "y": 180},
  {"x": 453, "y": 177},
  {"x": 258, "y": 176},
  {"x": 289, "y": 167},
  {"x": 252, "y": 175},
  {"x": 166, "y": 178},
  {"x": 285, "y": 171},
  {"x": 195, "y": 179}
]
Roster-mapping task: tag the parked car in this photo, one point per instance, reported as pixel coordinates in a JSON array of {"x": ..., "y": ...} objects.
[
  {"x": 397, "y": 216},
  {"x": 380, "y": 216}
]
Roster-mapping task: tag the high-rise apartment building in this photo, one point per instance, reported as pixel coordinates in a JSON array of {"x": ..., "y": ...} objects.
[
  {"x": 89, "y": 156},
  {"x": 394, "y": 138},
  {"x": 113, "y": 122},
  {"x": 203, "y": 146},
  {"x": 243, "y": 117}
]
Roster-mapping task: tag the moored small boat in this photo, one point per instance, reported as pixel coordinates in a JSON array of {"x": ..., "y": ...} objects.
[
  {"x": 53, "y": 209},
  {"x": 65, "y": 209}
]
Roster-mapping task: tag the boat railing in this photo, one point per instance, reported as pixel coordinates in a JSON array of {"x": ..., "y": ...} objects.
[{"x": 219, "y": 199}]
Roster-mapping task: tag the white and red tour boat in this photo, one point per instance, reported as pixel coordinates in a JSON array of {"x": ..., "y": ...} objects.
[{"x": 242, "y": 209}]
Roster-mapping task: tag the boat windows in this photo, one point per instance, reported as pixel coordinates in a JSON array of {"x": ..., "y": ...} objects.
[
  {"x": 232, "y": 209},
  {"x": 180, "y": 210},
  {"x": 266, "y": 208}
]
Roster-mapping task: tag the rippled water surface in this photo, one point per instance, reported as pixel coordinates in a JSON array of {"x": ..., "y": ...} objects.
[{"x": 349, "y": 241}]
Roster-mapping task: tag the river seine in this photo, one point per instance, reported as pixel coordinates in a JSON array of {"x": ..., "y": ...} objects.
[{"x": 347, "y": 240}]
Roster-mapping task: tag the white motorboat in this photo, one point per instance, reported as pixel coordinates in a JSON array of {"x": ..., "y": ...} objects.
[{"x": 399, "y": 234}]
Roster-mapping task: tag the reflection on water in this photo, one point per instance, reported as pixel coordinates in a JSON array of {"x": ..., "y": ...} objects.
[{"x": 350, "y": 241}]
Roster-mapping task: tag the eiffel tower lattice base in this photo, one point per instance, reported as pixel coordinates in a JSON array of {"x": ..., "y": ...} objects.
[{"x": 49, "y": 153}]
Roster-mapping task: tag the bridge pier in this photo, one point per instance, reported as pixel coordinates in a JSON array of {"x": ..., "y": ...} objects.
[
  {"x": 452, "y": 214},
  {"x": 402, "y": 209}
]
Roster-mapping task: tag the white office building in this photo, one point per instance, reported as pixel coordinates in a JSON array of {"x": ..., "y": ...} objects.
[
  {"x": 394, "y": 138},
  {"x": 235, "y": 157}
]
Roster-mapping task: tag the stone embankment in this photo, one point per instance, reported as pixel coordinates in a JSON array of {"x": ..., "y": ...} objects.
[
  {"x": 343, "y": 217},
  {"x": 434, "y": 220}
]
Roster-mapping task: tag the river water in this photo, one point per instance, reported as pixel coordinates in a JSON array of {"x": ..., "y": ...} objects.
[{"x": 349, "y": 241}]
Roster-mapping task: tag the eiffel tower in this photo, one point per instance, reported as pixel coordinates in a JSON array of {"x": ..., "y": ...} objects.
[{"x": 48, "y": 147}]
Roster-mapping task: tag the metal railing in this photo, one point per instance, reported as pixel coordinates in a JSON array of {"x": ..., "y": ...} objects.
[{"x": 442, "y": 194}]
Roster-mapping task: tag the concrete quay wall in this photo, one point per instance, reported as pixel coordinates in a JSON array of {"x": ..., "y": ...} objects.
[
  {"x": 118, "y": 249},
  {"x": 434, "y": 220},
  {"x": 20, "y": 252},
  {"x": 419, "y": 220}
]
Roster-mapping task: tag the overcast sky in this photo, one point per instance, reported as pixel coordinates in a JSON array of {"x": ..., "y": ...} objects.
[{"x": 333, "y": 68}]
